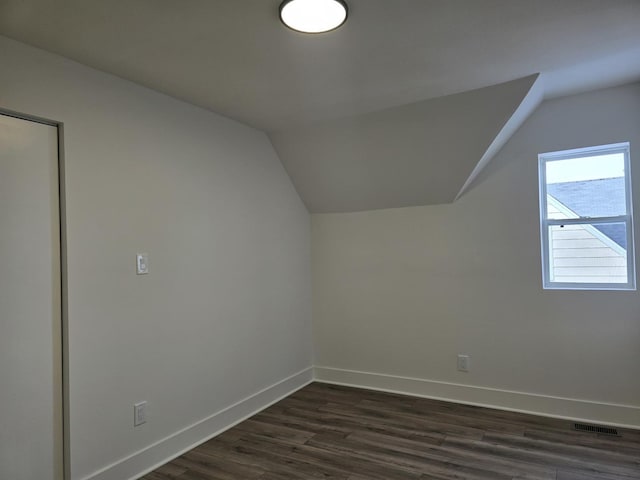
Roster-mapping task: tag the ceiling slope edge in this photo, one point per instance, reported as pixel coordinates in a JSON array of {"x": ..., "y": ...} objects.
[
  {"x": 412, "y": 155},
  {"x": 529, "y": 104}
]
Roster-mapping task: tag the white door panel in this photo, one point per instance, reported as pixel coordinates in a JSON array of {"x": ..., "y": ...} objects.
[{"x": 30, "y": 333}]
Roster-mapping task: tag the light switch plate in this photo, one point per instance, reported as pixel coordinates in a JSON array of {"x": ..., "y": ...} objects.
[{"x": 142, "y": 263}]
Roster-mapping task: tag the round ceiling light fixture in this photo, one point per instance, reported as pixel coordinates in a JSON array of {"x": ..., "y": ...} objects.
[{"x": 313, "y": 16}]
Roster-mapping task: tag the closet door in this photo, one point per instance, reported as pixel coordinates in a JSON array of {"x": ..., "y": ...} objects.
[{"x": 30, "y": 319}]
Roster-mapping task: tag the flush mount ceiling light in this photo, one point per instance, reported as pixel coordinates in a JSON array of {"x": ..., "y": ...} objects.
[{"x": 313, "y": 16}]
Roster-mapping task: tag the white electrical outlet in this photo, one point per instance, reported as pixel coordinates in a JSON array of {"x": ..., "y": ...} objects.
[
  {"x": 463, "y": 363},
  {"x": 139, "y": 413}
]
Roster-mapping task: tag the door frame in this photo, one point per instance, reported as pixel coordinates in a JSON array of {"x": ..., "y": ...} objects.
[{"x": 64, "y": 455}]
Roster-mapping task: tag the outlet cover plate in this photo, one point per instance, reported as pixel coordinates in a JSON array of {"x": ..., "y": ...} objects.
[
  {"x": 463, "y": 363},
  {"x": 139, "y": 413}
]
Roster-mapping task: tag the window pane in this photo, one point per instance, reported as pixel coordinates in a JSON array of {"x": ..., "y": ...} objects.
[
  {"x": 586, "y": 187},
  {"x": 588, "y": 253}
]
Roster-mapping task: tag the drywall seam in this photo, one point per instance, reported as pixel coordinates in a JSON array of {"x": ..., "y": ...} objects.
[
  {"x": 529, "y": 104},
  {"x": 624, "y": 416},
  {"x": 174, "y": 445}
]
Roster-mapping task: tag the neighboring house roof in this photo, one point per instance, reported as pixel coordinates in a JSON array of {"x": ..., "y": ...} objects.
[{"x": 595, "y": 198}]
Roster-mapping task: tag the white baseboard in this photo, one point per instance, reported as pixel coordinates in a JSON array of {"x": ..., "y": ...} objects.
[
  {"x": 148, "y": 459},
  {"x": 624, "y": 416}
]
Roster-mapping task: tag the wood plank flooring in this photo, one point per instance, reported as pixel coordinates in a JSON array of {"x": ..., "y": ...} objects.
[{"x": 339, "y": 433}]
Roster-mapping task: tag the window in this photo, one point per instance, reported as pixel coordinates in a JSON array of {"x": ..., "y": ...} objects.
[{"x": 586, "y": 220}]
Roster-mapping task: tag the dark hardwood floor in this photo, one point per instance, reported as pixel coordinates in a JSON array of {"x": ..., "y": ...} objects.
[{"x": 341, "y": 433}]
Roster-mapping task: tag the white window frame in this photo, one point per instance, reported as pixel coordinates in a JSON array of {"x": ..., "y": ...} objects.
[{"x": 546, "y": 222}]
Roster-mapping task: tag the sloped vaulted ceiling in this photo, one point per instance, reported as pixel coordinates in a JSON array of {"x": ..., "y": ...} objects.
[
  {"x": 417, "y": 154},
  {"x": 401, "y": 106}
]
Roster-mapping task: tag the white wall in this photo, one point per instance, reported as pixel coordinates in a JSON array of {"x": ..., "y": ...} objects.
[
  {"x": 399, "y": 293},
  {"x": 226, "y": 309}
]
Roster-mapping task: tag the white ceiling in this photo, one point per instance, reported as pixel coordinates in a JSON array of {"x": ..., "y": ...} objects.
[
  {"x": 416, "y": 154},
  {"x": 235, "y": 58}
]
